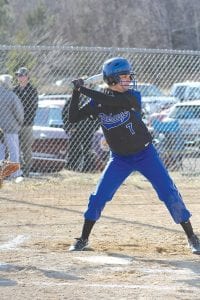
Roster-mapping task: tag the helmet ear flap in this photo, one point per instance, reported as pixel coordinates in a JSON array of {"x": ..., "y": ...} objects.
[{"x": 111, "y": 80}]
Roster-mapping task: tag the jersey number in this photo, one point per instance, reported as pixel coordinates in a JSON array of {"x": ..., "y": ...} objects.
[{"x": 130, "y": 127}]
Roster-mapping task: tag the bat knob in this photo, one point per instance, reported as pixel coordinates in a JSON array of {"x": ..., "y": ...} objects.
[{"x": 77, "y": 83}]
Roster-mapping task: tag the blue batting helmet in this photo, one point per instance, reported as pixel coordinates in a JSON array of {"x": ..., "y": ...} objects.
[{"x": 114, "y": 67}]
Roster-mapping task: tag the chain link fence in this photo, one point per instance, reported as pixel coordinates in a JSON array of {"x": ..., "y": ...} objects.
[{"x": 169, "y": 82}]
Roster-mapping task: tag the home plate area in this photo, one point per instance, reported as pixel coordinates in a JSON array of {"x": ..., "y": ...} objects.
[{"x": 79, "y": 275}]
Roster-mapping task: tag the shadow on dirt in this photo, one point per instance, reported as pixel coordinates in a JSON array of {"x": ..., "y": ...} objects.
[
  {"x": 7, "y": 282},
  {"x": 188, "y": 267},
  {"x": 149, "y": 226},
  {"x": 9, "y": 268}
]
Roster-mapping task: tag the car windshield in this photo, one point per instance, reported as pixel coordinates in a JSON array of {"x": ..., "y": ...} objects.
[
  {"x": 148, "y": 90},
  {"x": 49, "y": 117},
  {"x": 178, "y": 91},
  {"x": 185, "y": 112},
  {"x": 192, "y": 93}
]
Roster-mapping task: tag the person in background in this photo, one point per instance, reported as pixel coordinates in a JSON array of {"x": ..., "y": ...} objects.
[
  {"x": 28, "y": 95},
  {"x": 80, "y": 156},
  {"x": 11, "y": 121}
]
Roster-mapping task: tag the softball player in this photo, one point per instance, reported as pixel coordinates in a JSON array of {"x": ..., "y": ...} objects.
[{"x": 131, "y": 148}]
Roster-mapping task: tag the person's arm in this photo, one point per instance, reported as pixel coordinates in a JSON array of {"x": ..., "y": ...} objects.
[
  {"x": 33, "y": 102},
  {"x": 77, "y": 114},
  {"x": 18, "y": 110},
  {"x": 124, "y": 100}
]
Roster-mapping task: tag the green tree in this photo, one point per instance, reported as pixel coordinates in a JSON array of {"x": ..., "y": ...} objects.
[
  {"x": 18, "y": 57},
  {"x": 37, "y": 17},
  {"x": 5, "y": 21},
  {"x": 39, "y": 23}
]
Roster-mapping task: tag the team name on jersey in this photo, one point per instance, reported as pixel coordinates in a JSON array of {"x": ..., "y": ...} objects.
[{"x": 112, "y": 121}]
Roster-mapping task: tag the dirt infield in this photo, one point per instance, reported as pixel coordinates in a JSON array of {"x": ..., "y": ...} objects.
[{"x": 136, "y": 251}]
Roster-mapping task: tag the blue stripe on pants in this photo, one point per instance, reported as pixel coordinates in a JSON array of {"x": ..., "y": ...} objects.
[{"x": 148, "y": 163}]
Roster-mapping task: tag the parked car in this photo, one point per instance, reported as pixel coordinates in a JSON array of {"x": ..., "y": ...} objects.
[
  {"x": 50, "y": 140},
  {"x": 184, "y": 91},
  {"x": 178, "y": 132},
  {"x": 50, "y": 147},
  {"x": 192, "y": 92},
  {"x": 178, "y": 89},
  {"x": 153, "y": 99},
  {"x": 54, "y": 97},
  {"x": 149, "y": 90}
]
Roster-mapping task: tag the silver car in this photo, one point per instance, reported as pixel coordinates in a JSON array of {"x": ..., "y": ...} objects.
[
  {"x": 178, "y": 133},
  {"x": 153, "y": 98}
]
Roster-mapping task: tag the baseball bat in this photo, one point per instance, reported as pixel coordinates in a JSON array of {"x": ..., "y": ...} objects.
[{"x": 94, "y": 79}]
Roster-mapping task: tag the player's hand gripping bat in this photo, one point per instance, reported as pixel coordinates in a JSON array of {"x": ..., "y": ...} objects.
[{"x": 77, "y": 83}]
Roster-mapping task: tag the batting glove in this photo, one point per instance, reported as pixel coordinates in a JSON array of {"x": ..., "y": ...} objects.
[{"x": 78, "y": 83}]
